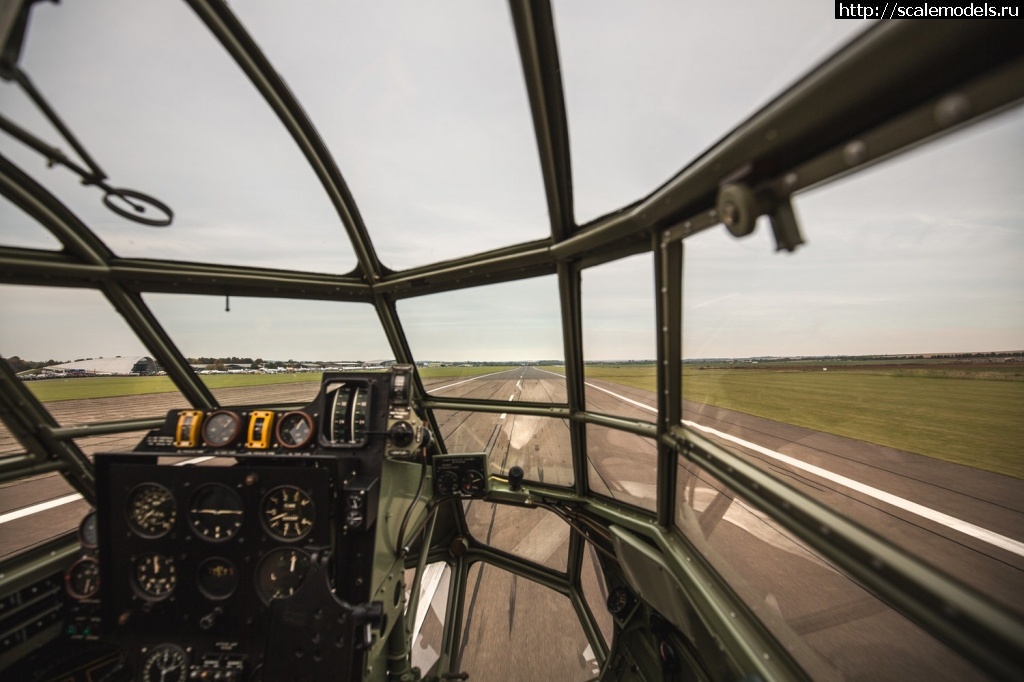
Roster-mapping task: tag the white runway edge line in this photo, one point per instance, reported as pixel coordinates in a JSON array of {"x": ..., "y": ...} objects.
[
  {"x": 59, "y": 501},
  {"x": 1001, "y": 541}
]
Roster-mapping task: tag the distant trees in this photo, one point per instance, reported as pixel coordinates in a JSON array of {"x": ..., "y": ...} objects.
[{"x": 19, "y": 365}]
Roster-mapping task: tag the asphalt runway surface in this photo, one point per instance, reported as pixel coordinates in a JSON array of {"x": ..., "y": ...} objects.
[{"x": 931, "y": 508}]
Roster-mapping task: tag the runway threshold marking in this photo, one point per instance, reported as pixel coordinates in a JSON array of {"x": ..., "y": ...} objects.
[
  {"x": 66, "y": 499},
  {"x": 965, "y": 527}
]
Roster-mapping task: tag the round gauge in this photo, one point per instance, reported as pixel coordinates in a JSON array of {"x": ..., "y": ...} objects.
[
  {"x": 82, "y": 580},
  {"x": 619, "y": 601},
  {"x": 473, "y": 482},
  {"x": 88, "y": 531},
  {"x": 288, "y": 513},
  {"x": 155, "y": 575},
  {"x": 165, "y": 663},
  {"x": 220, "y": 428},
  {"x": 447, "y": 483},
  {"x": 151, "y": 511},
  {"x": 216, "y": 512},
  {"x": 281, "y": 573},
  {"x": 294, "y": 430},
  {"x": 217, "y": 578}
]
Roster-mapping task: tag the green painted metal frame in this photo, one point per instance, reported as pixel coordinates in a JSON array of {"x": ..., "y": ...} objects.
[{"x": 889, "y": 90}]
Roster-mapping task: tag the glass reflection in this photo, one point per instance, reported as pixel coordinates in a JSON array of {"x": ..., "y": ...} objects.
[
  {"x": 623, "y": 466},
  {"x": 506, "y": 615},
  {"x": 540, "y": 445},
  {"x": 832, "y": 626},
  {"x": 534, "y": 534}
]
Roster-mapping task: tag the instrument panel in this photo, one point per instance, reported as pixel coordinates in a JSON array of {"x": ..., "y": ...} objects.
[{"x": 193, "y": 569}]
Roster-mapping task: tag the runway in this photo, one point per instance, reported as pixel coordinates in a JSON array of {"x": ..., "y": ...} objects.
[{"x": 789, "y": 587}]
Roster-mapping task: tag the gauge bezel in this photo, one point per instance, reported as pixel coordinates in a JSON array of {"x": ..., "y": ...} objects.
[
  {"x": 156, "y": 651},
  {"x": 310, "y": 514},
  {"x": 75, "y": 594},
  {"x": 88, "y": 531},
  {"x": 281, "y": 421},
  {"x": 197, "y": 520},
  {"x": 235, "y": 432},
  {"x": 147, "y": 594},
  {"x": 205, "y": 590},
  {"x": 264, "y": 581},
  {"x": 131, "y": 512}
]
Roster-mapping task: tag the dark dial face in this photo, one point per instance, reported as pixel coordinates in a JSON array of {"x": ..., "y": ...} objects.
[
  {"x": 619, "y": 601},
  {"x": 88, "y": 532},
  {"x": 220, "y": 428},
  {"x": 155, "y": 575},
  {"x": 294, "y": 429},
  {"x": 288, "y": 513},
  {"x": 447, "y": 483},
  {"x": 473, "y": 482},
  {"x": 281, "y": 573},
  {"x": 217, "y": 578},
  {"x": 83, "y": 578},
  {"x": 151, "y": 510},
  {"x": 166, "y": 663},
  {"x": 216, "y": 512}
]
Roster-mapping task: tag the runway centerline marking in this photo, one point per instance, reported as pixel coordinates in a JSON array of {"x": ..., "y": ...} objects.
[
  {"x": 510, "y": 399},
  {"x": 965, "y": 527},
  {"x": 66, "y": 499}
]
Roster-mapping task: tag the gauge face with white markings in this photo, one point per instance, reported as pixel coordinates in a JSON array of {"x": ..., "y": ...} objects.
[
  {"x": 281, "y": 573},
  {"x": 83, "y": 578},
  {"x": 165, "y": 663},
  {"x": 288, "y": 513},
  {"x": 151, "y": 510},
  {"x": 216, "y": 512},
  {"x": 155, "y": 576}
]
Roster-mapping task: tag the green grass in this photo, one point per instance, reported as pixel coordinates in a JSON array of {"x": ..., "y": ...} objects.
[
  {"x": 52, "y": 390},
  {"x": 971, "y": 416},
  {"x": 967, "y": 415}
]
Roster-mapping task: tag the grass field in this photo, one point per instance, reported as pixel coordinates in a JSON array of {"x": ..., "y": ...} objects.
[
  {"x": 52, "y": 390},
  {"x": 962, "y": 414},
  {"x": 78, "y": 388}
]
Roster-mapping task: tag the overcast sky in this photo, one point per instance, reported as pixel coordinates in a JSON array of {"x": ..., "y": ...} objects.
[{"x": 424, "y": 108}]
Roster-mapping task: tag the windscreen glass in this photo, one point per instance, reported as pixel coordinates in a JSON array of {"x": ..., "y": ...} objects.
[
  {"x": 879, "y": 368},
  {"x": 163, "y": 110},
  {"x": 540, "y": 445},
  {"x": 619, "y": 345},
  {"x": 19, "y": 230},
  {"x": 832, "y": 626},
  {"x": 426, "y": 115},
  {"x": 631, "y": 128},
  {"x": 501, "y": 342},
  {"x": 536, "y": 535},
  {"x": 506, "y": 615},
  {"x": 270, "y": 351},
  {"x": 623, "y": 466}
]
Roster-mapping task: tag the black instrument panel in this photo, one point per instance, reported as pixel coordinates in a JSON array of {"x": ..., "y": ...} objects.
[
  {"x": 195, "y": 568},
  {"x": 186, "y": 533}
]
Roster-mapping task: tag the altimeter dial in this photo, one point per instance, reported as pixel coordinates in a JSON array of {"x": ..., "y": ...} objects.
[{"x": 288, "y": 513}]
